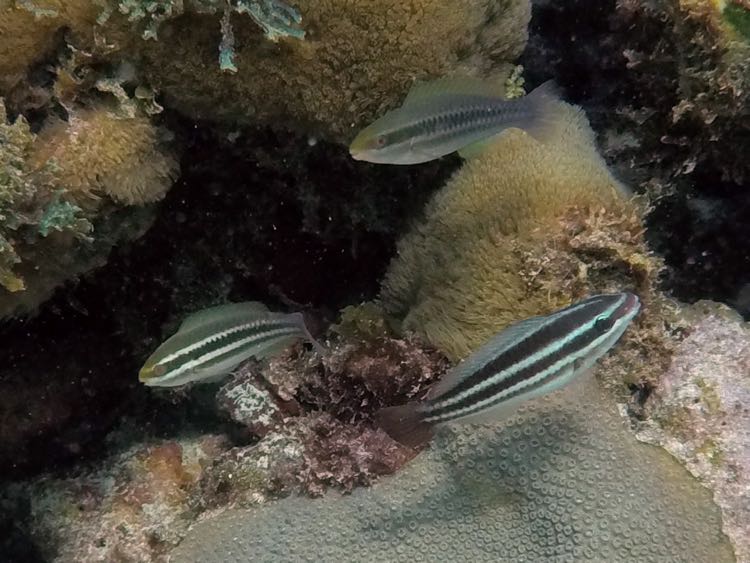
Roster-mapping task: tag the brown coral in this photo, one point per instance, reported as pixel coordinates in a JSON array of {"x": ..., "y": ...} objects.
[
  {"x": 357, "y": 59},
  {"x": 101, "y": 153},
  {"x": 459, "y": 276},
  {"x": 29, "y": 32}
]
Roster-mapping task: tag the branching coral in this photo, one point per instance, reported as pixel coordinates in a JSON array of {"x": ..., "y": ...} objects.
[{"x": 276, "y": 18}]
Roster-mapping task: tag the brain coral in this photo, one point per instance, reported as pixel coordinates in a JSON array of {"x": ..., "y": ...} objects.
[
  {"x": 558, "y": 482},
  {"x": 460, "y": 275},
  {"x": 356, "y": 59}
]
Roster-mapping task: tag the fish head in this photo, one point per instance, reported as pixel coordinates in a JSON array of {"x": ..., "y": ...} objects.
[
  {"x": 619, "y": 309},
  {"x": 151, "y": 372},
  {"x": 370, "y": 145},
  {"x": 385, "y": 142}
]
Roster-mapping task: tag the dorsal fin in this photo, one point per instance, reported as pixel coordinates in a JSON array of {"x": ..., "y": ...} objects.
[
  {"x": 496, "y": 345},
  {"x": 422, "y": 92},
  {"x": 220, "y": 312}
]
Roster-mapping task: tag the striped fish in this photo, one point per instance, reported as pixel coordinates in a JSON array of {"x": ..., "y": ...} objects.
[
  {"x": 452, "y": 114},
  {"x": 528, "y": 359},
  {"x": 212, "y": 342}
]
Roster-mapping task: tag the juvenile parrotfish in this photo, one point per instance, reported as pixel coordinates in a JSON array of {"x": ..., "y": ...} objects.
[
  {"x": 212, "y": 342},
  {"x": 528, "y": 359},
  {"x": 452, "y": 114}
]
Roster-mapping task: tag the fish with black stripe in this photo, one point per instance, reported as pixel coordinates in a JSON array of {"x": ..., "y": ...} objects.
[
  {"x": 212, "y": 342},
  {"x": 528, "y": 359}
]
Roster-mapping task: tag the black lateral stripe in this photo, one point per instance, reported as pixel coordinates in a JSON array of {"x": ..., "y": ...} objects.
[
  {"x": 573, "y": 347},
  {"x": 533, "y": 343}
]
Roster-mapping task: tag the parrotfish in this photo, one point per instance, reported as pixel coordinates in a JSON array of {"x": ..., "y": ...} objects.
[
  {"x": 452, "y": 114},
  {"x": 211, "y": 343},
  {"x": 528, "y": 359}
]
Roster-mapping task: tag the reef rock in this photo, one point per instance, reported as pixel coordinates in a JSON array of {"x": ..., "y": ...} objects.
[{"x": 700, "y": 414}]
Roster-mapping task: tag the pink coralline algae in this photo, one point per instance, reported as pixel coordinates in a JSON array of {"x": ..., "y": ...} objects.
[{"x": 325, "y": 405}]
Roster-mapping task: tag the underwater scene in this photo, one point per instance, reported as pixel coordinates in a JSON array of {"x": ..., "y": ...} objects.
[{"x": 374, "y": 281}]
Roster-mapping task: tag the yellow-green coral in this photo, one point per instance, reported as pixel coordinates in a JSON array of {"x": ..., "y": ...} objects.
[
  {"x": 463, "y": 273},
  {"x": 357, "y": 59},
  {"x": 55, "y": 185},
  {"x": 31, "y": 207},
  {"x": 100, "y": 153}
]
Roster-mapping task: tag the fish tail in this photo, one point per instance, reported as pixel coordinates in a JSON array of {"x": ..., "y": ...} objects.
[
  {"x": 300, "y": 319},
  {"x": 544, "y": 109},
  {"x": 405, "y": 424}
]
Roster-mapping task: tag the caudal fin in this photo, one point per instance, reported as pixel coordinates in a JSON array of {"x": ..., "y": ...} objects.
[
  {"x": 543, "y": 111},
  {"x": 404, "y": 424}
]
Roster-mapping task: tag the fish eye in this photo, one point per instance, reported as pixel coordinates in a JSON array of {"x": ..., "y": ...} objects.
[
  {"x": 160, "y": 370},
  {"x": 602, "y": 324},
  {"x": 380, "y": 141}
]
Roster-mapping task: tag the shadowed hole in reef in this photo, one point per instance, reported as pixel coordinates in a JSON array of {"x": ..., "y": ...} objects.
[
  {"x": 255, "y": 215},
  {"x": 700, "y": 226}
]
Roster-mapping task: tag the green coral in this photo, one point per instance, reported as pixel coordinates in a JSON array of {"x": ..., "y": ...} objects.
[{"x": 739, "y": 18}]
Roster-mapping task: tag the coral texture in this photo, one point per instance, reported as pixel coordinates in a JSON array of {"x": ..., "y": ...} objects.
[
  {"x": 462, "y": 274},
  {"x": 303, "y": 426},
  {"x": 357, "y": 59},
  {"x": 30, "y": 32},
  {"x": 699, "y": 414},
  {"x": 561, "y": 480},
  {"x": 60, "y": 195},
  {"x": 101, "y": 153},
  {"x": 666, "y": 85},
  {"x": 132, "y": 509}
]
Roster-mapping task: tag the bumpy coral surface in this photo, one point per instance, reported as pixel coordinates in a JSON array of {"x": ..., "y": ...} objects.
[
  {"x": 356, "y": 59},
  {"x": 460, "y": 276},
  {"x": 699, "y": 413},
  {"x": 560, "y": 481}
]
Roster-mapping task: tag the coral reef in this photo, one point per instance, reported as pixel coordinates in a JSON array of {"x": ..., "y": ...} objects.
[
  {"x": 133, "y": 508},
  {"x": 665, "y": 84},
  {"x": 464, "y": 272},
  {"x": 31, "y": 204},
  {"x": 296, "y": 433},
  {"x": 357, "y": 59},
  {"x": 61, "y": 193},
  {"x": 30, "y": 33},
  {"x": 698, "y": 413},
  {"x": 561, "y": 480},
  {"x": 98, "y": 153}
]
